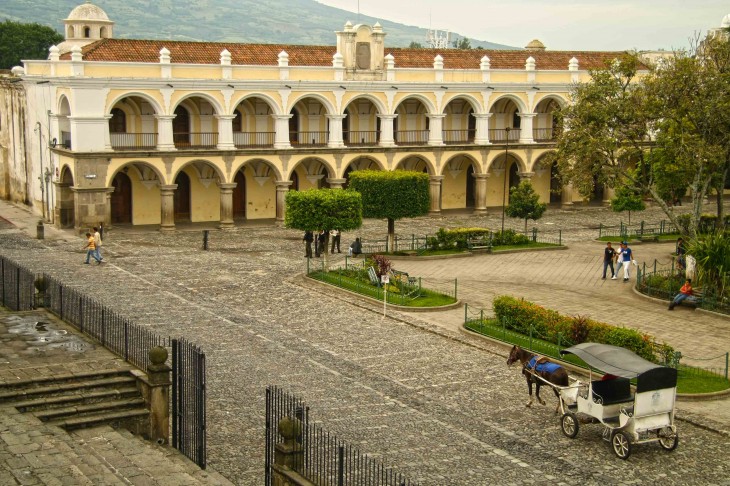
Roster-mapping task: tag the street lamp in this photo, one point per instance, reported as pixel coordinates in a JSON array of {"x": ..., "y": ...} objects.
[
  {"x": 40, "y": 174},
  {"x": 504, "y": 186}
]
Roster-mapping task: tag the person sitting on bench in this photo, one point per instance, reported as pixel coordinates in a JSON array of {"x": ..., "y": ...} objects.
[{"x": 685, "y": 293}]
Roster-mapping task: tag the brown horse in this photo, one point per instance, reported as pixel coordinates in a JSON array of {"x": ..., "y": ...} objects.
[{"x": 558, "y": 377}]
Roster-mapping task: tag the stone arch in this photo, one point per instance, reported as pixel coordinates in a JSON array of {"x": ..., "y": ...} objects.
[
  {"x": 64, "y": 106},
  {"x": 203, "y": 168},
  {"x": 363, "y": 162},
  {"x": 469, "y": 158},
  {"x": 379, "y": 105},
  {"x": 497, "y": 161},
  {"x": 153, "y": 102},
  {"x": 217, "y": 108},
  {"x": 312, "y": 172},
  {"x": 328, "y": 106},
  {"x": 258, "y": 172},
  {"x": 415, "y": 162},
  {"x": 142, "y": 169},
  {"x": 66, "y": 201},
  {"x": 545, "y": 101},
  {"x": 275, "y": 107},
  {"x": 103, "y": 32},
  {"x": 458, "y": 186},
  {"x": 70, "y": 32},
  {"x": 546, "y": 180},
  {"x": 521, "y": 106},
  {"x": 430, "y": 107},
  {"x": 476, "y": 105}
]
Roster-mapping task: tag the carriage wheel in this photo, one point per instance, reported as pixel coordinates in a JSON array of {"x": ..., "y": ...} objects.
[
  {"x": 668, "y": 439},
  {"x": 569, "y": 424},
  {"x": 621, "y": 445}
]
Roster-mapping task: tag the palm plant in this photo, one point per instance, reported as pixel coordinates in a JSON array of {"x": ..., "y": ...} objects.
[{"x": 712, "y": 253}]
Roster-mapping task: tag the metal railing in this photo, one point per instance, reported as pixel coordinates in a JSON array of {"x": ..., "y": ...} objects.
[
  {"x": 309, "y": 138},
  {"x": 411, "y": 137},
  {"x": 359, "y": 137},
  {"x": 638, "y": 230},
  {"x": 253, "y": 139},
  {"x": 17, "y": 289},
  {"x": 545, "y": 134},
  {"x": 458, "y": 136},
  {"x": 188, "y": 401},
  {"x": 500, "y": 134},
  {"x": 133, "y": 140},
  {"x": 195, "y": 140},
  {"x": 325, "y": 459},
  {"x": 400, "y": 243}
]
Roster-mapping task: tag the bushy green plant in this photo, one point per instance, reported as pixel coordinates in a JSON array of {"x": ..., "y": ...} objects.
[
  {"x": 684, "y": 221},
  {"x": 509, "y": 237},
  {"x": 528, "y": 318},
  {"x": 712, "y": 253},
  {"x": 459, "y": 237}
]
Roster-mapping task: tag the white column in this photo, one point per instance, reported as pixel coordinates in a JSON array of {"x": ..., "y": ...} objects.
[
  {"x": 335, "y": 135},
  {"x": 526, "y": 127},
  {"x": 281, "y": 138},
  {"x": 386, "y": 130},
  {"x": 225, "y": 132},
  {"x": 226, "y": 205},
  {"x": 526, "y": 176},
  {"x": 480, "y": 205},
  {"x": 566, "y": 196},
  {"x": 282, "y": 187},
  {"x": 435, "y": 194},
  {"x": 482, "y": 128},
  {"x": 164, "y": 132},
  {"x": 436, "y": 129}
]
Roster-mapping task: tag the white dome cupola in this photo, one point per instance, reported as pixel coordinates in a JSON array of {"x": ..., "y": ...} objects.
[{"x": 85, "y": 24}]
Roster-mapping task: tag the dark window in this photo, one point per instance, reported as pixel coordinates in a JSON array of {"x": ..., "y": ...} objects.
[
  {"x": 87, "y": 32},
  {"x": 118, "y": 121}
]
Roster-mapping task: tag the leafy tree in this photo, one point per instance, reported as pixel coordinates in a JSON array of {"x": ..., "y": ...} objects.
[
  {"x": 392, "y": 195},
  {"x": 462, "y": 43},
  {"x": 25, "y": 41},
  {"x": 415, "y": 45},
  {"x": 323, "y": 209},
  {"x": 525, "y": 203},
  {"x": 627, "y": 200}
]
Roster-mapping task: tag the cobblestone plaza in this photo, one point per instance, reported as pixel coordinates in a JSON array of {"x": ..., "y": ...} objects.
[{"x": 411, "y": 389}]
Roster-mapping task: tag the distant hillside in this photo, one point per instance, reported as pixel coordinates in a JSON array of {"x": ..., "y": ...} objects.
[{"x": 270, "y": 21}]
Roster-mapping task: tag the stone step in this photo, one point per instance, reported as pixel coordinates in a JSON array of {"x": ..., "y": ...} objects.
[
  {"x": 80, "y": 411},
  {"x": 24, "y": 393},
  {"x": 84, "y": 396},
  {"x": 61, "y": 378},
  {"x": 99, "y": 418}
]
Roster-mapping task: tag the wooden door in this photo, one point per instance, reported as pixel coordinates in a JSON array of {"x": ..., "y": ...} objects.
[
  {"x": 182, "y": 197},
  {"x": 470, "y": 187},
  {"x": 239, "y": 195},
  {"x": 121, "y": 199}
]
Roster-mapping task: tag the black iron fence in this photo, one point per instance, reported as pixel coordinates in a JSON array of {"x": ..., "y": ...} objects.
[
  {"x": 188, "y": 401},
  {"x": 17, "y": 288},
  {"x": 326, "y": 460},
  {"x": 21, "y": 289}
]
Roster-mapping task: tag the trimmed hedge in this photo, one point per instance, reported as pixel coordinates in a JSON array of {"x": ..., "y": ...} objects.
[
  {"x": 457, "y": 237},
  {"x": 521, "y": 315}
]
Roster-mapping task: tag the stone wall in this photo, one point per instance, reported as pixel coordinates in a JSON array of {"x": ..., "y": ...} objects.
[{"x": 14, "y": 160}]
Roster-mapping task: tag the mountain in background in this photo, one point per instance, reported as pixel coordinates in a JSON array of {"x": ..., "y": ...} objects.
[{"x": 271, "y": 21}]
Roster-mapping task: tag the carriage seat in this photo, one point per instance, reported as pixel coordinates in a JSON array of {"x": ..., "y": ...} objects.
[{"x": 612, "y": 391}]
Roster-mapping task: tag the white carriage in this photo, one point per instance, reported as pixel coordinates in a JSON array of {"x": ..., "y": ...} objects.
[{"x": 630, "y": 416}]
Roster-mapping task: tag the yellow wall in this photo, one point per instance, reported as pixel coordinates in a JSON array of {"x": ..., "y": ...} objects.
[
  {"x": 205, "y": 204},
  {"x": 146, "y": 206},
  {"x": 453, "y": 189},
  {"x": 260, "y": 199}
]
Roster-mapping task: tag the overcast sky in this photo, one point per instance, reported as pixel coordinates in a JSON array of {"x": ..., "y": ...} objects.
[{"x": 559, "y": 24}]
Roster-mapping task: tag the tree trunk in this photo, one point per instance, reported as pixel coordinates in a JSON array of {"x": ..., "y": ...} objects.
[
  {"x": 720, "y": 224},
  {"x": 391, "y": 234}
]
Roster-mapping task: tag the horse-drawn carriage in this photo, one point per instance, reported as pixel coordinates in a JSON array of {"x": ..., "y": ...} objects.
[{"x": 643, "y": 415}]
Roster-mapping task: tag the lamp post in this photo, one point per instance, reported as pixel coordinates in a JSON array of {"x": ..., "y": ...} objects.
[
  {"x": 504, "y": 186},
  {"x": 40, "y": 174}
]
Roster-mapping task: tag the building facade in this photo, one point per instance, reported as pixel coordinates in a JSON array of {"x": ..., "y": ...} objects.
[{"x": 162, "y": 132}]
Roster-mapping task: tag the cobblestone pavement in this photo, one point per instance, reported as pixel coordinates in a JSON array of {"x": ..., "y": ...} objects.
[{"x": 438, "y": 405}]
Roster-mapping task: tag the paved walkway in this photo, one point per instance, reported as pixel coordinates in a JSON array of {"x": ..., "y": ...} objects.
[{"x": 440, "y": 406}]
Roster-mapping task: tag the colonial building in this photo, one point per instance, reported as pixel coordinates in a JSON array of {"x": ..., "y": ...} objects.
[{"x": 158, "y": 132}]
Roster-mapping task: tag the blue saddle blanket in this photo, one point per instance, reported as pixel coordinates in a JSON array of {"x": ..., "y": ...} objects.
[{"x": 543, "y": 367}]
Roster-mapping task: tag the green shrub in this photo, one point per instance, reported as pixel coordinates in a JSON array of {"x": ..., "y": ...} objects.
[
  {"x": 456, "y": 238},
  {"x": 531, "y": 319},
  {"x": 509, "y": 237},
  {"x": 684, "y": 220}
]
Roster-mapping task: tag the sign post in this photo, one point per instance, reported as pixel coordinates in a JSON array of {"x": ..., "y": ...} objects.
[{"x": 384, "y": 279}]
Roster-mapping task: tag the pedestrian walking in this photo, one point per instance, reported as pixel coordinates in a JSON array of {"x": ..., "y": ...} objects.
[
  {"x": 685, "y": 293},
  {"x": 321, "y": 246},
  {"x": 335, "y": 235},
  {"x": 308, "y": 239},
  {"x": 90, "y": 248},
  {"x": 627, "y": 258},
  {"x": 609, "y": 254},
  {"x": 619, "y": 260},
  {"x": 97, "y": 243}
]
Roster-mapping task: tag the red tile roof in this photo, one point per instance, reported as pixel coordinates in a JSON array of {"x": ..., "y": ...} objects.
[{"x": 134, "y": 50}]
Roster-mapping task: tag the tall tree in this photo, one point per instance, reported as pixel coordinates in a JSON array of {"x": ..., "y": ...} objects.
[
  {"x": 525, "y": 203},
  {"x": 391, "y": 195},
  {"x": 627, "y": 200},
  {"x": 415, "y": 45},
  {"x": 462, "y": 43},
  {"x": 25, "y": 41}
]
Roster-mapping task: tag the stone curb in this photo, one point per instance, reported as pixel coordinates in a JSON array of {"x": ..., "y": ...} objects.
[
  {"x": 468, "y": 254},
  {"x": 665, "y": 302}
]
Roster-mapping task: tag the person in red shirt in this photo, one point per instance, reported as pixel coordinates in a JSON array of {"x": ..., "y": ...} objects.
[{"x": 684, "y": 293}]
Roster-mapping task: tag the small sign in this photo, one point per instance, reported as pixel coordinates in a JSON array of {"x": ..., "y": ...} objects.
[{"x": 384, "y": 279}]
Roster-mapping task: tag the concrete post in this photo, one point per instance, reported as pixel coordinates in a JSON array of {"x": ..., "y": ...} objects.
[
  {"x": 226, "y": 205},
  {"x": 435, "y": 129},
  {"x": 335, "y": 133},
  {"x": 281, "y": 137},
  {"x": 167, "y": 196},
  {"x": 386, "y": 130},
  {"x": 225, "y": 132},
  {"x": 481, "y": 137},
  {"x": 164, "y": 132},
  {"x": 155, "y": 387}
]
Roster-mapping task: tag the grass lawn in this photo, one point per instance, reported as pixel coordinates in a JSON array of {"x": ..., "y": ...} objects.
[
  {"x": 689, "y": 379},
  {"x": 412, "y": 297},
  {"x": 664, "y": 237},
  {"x": 495, "y": 249}
]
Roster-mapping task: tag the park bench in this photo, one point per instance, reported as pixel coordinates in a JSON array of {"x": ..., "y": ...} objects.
[
  {"x": 696, "y": 300},
  {"x": 479, "y": 244},
  {"x": 403, "y": 277},
  {"x": 373, "y": 277}
]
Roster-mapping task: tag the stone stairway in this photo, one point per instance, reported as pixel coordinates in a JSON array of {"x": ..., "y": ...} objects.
[
  {"x": 33, "y": 452},
  {"x": 73, "y": 401}
]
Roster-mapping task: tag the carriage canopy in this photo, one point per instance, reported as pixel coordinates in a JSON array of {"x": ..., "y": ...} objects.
[{"x": 622, "y": 362}]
